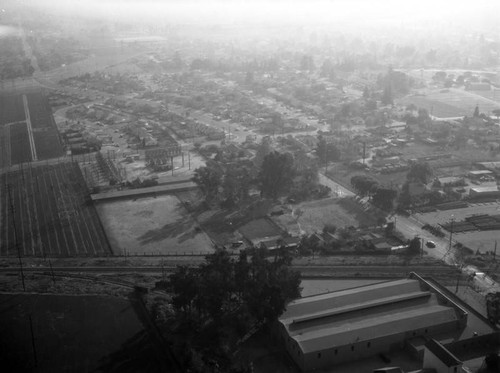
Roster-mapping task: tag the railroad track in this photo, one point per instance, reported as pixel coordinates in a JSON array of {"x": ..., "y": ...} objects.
[{"x": 307, "y": 271}]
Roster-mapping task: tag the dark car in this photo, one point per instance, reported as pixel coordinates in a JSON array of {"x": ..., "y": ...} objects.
[{"x": 430, "y": 244}]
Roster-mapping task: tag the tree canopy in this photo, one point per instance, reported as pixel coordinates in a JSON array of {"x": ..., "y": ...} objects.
[
  {"x": 218, "y": 302},
  {"x": 327, "y": 152},
  {"x": 420, "y": 172},
  {"x": 276, "y": 174},
  {"x": 384, "y": 198},
  {"x": 209, "y": 180},
  {"x": 364, "y": 185}
]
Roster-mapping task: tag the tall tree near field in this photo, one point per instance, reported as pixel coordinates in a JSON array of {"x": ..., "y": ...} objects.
[
  {"x": 476, "y": 111},
  {"x": 276, "y": 174},
  {"x": 384, "y": 198},
  {"x": 209, "y": 180},
  {"x": 387, "y": 96},
  {"x": 419, "y": 172}
]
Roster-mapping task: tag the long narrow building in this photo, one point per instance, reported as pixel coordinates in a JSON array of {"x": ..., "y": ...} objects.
[{"x": 333, "y": 328}]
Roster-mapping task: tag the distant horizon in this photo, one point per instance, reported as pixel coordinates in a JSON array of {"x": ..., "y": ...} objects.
[{"x": 312, "y": 12}]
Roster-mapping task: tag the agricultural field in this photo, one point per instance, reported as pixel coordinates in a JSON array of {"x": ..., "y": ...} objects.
[
  {"x": 152, "y": 226},
  {"x": 74, "y": 334},
  {"x": 449, "y": 103},
  {"x": 47, "y": 211},
  {"x": 28, "y": 130}
]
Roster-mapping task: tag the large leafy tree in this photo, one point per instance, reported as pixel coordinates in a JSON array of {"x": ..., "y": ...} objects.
[
  {"x": 209, "y": 180},
  {"x": 384, "y": 198},
  {"x": 217, "y": 303},
  {"x": 364, "y": 185},
  {"x": 276, "y": 174},
  {"x": 235, "y": 184},
  {"x": 419, "y": 172},
  {"x": 326, "y": 151}
]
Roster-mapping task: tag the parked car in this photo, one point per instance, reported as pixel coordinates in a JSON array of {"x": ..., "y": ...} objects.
[{"x": 430, "y": 244}]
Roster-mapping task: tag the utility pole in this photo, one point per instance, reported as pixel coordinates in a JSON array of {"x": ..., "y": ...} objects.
[
  {"x": 326, "y": 158},
  {"x": 15, "y": 238},
  {"x": 33, "y": 341},
  {"x": 451, "y": 233}
]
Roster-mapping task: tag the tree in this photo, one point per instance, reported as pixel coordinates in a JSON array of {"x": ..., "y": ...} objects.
[
  {"x": 364, "y": 185},
  {"x": 384, "y": 198},
  {"x": 476, "y": 111},
  {"x": 387, "y": 96},
  {"x": 419, "y": 172},
  {"x": 366, "y": 93},
  {"x": 209, "y": 180},
  {"x": 327, "y": 152},
  {"x": 184, "y": 283},
  {"x": 235, "y": 184},
  {"x": 327, "y": 69},
  {"x": 307, "y": 63},
  {"x": 414, "y": 246},
  {"x": 263, "y": 150},
  {"x": 405, "y": 200},
  {"x": 276, "y": 174}
]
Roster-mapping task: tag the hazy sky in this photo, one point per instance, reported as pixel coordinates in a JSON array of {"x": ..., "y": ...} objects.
[{"x": 281, "y": 11}]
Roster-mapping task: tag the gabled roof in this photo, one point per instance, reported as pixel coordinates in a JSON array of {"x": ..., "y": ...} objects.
[{"x": 446, "y": 357}]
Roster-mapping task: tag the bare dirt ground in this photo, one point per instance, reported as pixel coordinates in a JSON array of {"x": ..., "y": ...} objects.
[{"x": 152, "y": 226}]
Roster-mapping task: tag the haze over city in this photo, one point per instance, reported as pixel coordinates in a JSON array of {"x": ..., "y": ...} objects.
[{"x": 249, "y": 186}]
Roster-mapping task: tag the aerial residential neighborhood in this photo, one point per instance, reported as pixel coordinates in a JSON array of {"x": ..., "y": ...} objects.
[{"x": 268, "y": 186}]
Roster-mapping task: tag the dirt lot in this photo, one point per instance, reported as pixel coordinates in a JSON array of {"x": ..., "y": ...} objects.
[{"x": 152, "y": 226}]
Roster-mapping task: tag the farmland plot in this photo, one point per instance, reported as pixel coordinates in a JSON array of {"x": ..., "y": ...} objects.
[{"x": 45, "y": 211}]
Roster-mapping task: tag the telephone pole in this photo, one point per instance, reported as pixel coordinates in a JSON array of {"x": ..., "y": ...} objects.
[{"x": 15, "y": 237}]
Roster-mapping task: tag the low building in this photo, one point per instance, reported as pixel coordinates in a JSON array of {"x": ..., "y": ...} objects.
[
  {"x": 348, "y": 325},
  {"x": 480, "y": 174},
  {"x": 477, "y": 87},
  {"x": 484, "y": 191},
  {"x": 437, "y": 357}
]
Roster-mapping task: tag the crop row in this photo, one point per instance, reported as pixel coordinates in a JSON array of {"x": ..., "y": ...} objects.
[{"x": 45, "y": 211}]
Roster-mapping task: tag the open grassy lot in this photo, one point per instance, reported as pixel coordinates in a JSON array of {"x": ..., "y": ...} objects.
[
  {"x": 151, "y": 225},
  {"x": 312, "y": 216},
  {"x": 73, "y": 334},
  {"x": 452, "y": 102},
  {"x": 259, "y": 228}
]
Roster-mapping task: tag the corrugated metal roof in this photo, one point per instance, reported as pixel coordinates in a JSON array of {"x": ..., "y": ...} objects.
[
  {"x": 360, "y": 314},
  {"x": 369, "y": 328}
]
